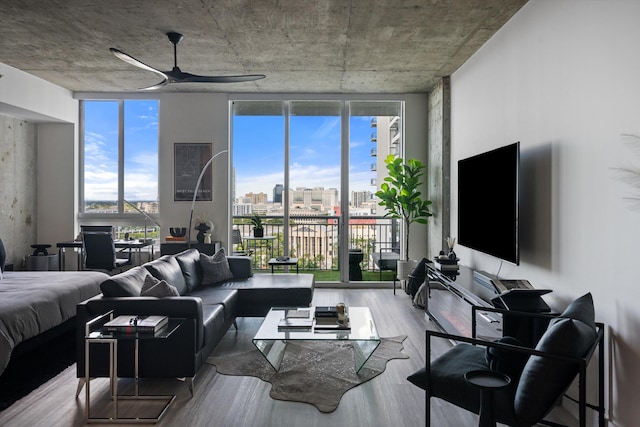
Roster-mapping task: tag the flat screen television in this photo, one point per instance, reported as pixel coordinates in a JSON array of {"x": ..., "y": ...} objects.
[{"x": 488, "y": 200}]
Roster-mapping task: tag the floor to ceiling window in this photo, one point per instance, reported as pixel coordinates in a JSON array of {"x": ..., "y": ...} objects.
[
  {"x": 119, "y": 165},
  {"x": 310, "y": 170}
]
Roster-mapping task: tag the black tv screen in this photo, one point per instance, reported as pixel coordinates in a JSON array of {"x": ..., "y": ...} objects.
[{"x": 488, "y": 199}]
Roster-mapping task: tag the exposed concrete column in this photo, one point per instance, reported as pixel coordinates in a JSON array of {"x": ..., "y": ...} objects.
[{"x": 439, "y": 165}]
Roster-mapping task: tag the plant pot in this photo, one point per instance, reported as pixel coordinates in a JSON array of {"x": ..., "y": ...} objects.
[
  {"x": 406, "y": 267},
  {"x": 258, "y": 232}
]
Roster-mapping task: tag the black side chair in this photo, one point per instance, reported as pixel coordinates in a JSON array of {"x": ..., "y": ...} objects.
[
  {"x": 539, "y": 377},
  {"x": 100, "y": 252},
  {"x": 387, "y": 260},
  {"x": 236, "y": 242}
]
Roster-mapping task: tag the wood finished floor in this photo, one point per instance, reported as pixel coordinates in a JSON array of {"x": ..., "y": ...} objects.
[{"x": 228, "y": 401}]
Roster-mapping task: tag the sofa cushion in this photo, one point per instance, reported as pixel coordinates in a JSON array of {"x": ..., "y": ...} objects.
[
  {"x": 3, "y": 258},
  {"x": 157, "y": 288},
  {"x": 215, "y": 268},
  {"x": 544, "y": 379},
  {"x": 125, "y": 284},
  {"x": 167, "y": 268},
  {"x": 189, "y": 262}
]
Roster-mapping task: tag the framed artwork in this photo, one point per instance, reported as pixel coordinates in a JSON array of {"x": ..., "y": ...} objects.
[{"x": 189, "y": 159}]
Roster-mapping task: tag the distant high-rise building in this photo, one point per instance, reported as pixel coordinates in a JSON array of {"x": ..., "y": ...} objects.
[
  {"x": 256, "y": 198},
  {"x": 277, "y": 193},
  {"x": 360, "y": 197}
]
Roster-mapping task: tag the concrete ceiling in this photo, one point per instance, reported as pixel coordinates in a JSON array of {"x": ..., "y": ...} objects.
[{"x": 309, "y": 46}]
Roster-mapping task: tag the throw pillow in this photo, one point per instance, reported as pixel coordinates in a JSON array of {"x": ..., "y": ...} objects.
[
  {"x": 125, "y": 284},
  {"x": 215, "y": 268},
  {"x": 167, "y": 268},
  {"x": 157, "y": 288},
  {"x": 544, "y": 379}
]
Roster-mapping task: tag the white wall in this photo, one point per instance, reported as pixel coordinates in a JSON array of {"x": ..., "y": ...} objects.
[
  {"x": 563, "y": 78},
  {"x": 194, "y": 118}
]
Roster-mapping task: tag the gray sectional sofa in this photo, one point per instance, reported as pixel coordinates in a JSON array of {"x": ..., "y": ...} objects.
[{"x": 208, "y": 309}]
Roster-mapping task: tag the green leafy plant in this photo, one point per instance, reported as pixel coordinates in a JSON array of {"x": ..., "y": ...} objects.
[
  {"x": 399, "y": 194},
  {"x": 257, "y": 223}
]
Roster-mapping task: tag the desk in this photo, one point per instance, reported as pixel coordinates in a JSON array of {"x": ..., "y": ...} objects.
[{"x": 119, "y": 244}]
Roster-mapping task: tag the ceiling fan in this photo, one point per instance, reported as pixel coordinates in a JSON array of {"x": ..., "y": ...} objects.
[{"x": 176, "y": 75}]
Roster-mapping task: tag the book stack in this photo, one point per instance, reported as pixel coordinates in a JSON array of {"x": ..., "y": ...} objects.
[
  {"x": 130, "y": 324},
  {"x": 327, "y": 319},
  {"x": 296, "y": 319},
  {"x": 446, "y": 265}
]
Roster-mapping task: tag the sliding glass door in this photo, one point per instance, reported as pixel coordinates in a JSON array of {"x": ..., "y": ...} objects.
[{"x": 309, "y": 169}]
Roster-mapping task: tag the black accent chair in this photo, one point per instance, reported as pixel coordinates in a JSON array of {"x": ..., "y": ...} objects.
[
  {"x": 100, "y": 252},
  {"x": 236, "y": 242},
  {"x": 539, "y": 376},
  {"x": 387, "y": 260}
]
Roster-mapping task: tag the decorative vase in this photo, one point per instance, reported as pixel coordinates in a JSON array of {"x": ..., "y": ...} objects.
[{"x": 202, "y": 228}]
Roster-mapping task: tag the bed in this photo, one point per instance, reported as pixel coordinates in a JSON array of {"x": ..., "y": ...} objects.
[{"x": 33, "y": 303}]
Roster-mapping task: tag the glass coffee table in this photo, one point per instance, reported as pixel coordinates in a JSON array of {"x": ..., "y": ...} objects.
[{"x": 271, "y": 340}]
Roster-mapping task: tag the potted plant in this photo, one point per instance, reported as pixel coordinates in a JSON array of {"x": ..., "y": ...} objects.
[
  {"x": 400, "y": 195},
  {"x": 258, "y": 229}
]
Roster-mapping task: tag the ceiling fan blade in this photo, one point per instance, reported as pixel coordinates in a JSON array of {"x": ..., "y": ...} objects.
[
  {"x": 133, "y": 61},
  {"x": 156, "y": 86},
  {"x": 193, "y": 78}
]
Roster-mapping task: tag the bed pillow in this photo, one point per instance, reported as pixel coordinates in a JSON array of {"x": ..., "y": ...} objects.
[
  {"x": 157, "y": 288},
  {"x": 215, "y": 268},
  {"x": 126, "y": 284}
]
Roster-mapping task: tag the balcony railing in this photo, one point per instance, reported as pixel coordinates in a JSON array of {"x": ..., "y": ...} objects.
[{"x": 314, "y": 240}]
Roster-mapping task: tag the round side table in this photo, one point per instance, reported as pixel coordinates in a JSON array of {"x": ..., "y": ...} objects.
[{"x": 487, "y": 382}]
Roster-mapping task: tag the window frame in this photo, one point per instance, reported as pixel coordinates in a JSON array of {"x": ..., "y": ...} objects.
[{"x": 120, "y": 218}]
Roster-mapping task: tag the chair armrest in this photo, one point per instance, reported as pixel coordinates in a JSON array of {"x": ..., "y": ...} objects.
[
  {"x": 520, "y": 314},
  {"x": 240, "y": 266}
]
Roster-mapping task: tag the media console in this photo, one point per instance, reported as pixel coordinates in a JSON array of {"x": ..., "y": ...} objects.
[{"x": 451, "y": 296}]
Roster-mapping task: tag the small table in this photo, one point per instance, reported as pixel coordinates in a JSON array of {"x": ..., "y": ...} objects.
[
  {"x": 487, "y": 382},
  {"x": 289, "y": 261},
  {"x": 272, "y": 341},
  {"x": 97, "y": 337}
]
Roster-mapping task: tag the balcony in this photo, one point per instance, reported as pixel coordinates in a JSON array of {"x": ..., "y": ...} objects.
[
  {"x": 374, "y": 152},
  {"x": 314, "y": 240},
  {"x": 374, "y": 167},
  {"x": 374, "y": 122},
  {"x": 374, "y": 181},
  {"x": 374, "y": 137}
]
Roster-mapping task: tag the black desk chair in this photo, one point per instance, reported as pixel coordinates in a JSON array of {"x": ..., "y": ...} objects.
[
  {"x": 540, "y": 376},
  {"x": 100, "y": 252}
]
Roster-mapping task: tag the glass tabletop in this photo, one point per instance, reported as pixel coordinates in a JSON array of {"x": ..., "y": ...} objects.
[
  {"x": 271, "y": 340},
  {"x": 362, "y": 327}
]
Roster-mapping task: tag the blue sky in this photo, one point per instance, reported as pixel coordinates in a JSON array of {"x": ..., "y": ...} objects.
[
  {"x": 258, "y": 151},
  {"x": 141, "y": 150}
]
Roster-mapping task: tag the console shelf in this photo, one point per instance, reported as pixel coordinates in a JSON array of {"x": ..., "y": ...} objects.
[{"x": 449, "y": 302}]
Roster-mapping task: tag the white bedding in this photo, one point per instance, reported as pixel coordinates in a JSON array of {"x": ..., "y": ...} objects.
[{"x": 32, "y": 302}]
